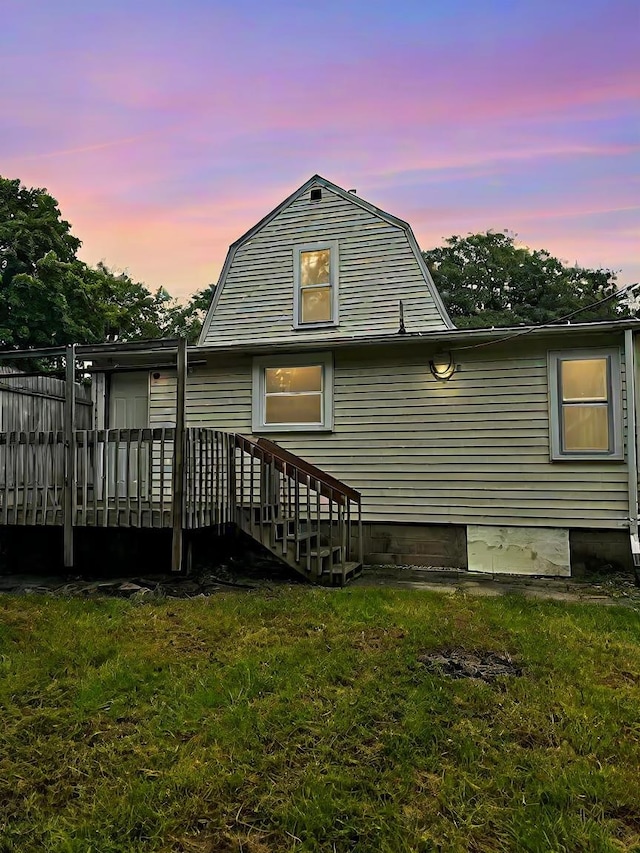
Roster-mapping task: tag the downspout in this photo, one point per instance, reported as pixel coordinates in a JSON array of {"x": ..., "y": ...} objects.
[{"x": 632, "y": 448}]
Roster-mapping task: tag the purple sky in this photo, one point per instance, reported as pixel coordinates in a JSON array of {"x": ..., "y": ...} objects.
[{"x": 166, "y": 129}]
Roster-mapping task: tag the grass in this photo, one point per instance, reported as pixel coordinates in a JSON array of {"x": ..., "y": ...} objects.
[{"x": 301, "y": 720}]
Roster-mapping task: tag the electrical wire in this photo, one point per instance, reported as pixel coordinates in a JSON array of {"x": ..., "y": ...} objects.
[{"x": 529, "y": 329}]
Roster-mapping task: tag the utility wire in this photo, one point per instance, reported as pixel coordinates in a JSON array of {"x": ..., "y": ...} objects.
[{"x": 530, "y": 329}]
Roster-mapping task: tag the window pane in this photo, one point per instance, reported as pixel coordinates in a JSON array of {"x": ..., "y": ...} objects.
[
  {"x": 314, "y": 267},
  {"x": 585, "y": 428},
  {"x": 316, "y": 305},
  {"x": 296, "y": 409},
  {"x": 584, "y": 379},
  {"x": 284, "y": 380}
]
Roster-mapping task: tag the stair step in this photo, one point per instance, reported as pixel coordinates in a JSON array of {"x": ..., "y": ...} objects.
[
  {"x": 341, "y": 575},
  {"x": 285, "y": 528},
  {"x": 260, "y": 514},
  {"x": 282, "y": 520},
  {"x": 299, "y": 542},
  {"x": 298, "y": 536},
  {"x": 326, "y": 552},
  {"x": 353, "y": 569}
]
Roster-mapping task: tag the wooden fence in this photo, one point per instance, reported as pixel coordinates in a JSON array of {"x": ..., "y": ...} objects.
[{"x": 30, "y": 403}]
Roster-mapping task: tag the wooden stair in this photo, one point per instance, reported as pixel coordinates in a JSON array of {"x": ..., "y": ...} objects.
[{"x": 303, "y": 516}]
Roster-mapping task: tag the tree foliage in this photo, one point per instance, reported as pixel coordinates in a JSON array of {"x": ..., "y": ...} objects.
[
  {"x": 49, "y": 297},
  {"x": 486, "y": 280},
  {"x": 186, "y": 320}
]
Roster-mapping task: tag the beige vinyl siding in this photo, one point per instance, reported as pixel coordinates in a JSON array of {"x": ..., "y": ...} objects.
[
  {"x": 473, "y": 450},
  {"x": 377, "y": 269},
  {"x": 217, "y": 398}
]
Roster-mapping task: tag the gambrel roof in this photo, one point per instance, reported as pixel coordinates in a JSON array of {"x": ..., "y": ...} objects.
[{"x": 380, "y": 264}]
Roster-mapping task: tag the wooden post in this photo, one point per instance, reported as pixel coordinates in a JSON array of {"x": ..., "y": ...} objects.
[
  {"x": 69, "y": 452},
  {"x": 99, "y": 400},
  {"x": 177, "y": 507}
]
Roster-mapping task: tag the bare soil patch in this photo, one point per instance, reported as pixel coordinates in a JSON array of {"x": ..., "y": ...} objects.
[{"x": 460, "y": 663}]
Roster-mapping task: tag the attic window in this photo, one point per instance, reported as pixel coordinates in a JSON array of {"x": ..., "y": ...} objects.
[
  {"x": 316, "y": 195},
  {"x": 315, "y": 301}
]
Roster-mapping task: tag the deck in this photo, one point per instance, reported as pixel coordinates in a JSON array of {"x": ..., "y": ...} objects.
[
  {"x": 179, "y": 478},
  {"x": 138, "y": 478}
]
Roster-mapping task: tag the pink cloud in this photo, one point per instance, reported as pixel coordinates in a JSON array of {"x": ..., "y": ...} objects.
[
  {"x": 475, "y": 156},
  {"x": 82, "y": 149},
  {"x": 161, "y": 158}
]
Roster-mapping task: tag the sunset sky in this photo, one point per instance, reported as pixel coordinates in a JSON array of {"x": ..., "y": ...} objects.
[{"x": 167, "y": 128}]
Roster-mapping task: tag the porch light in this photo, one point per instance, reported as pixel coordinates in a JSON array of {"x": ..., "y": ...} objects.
[{"x": 442, "y": 365}]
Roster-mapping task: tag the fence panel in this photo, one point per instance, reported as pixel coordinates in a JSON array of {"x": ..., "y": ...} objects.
[{"x": 36, "y": 403}]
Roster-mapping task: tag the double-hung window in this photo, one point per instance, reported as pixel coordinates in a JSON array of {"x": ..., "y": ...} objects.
[
  {"x": 293, "y": 393},
  {"x": 315, "y": 274},
  {"x": 586, "y": 404}
]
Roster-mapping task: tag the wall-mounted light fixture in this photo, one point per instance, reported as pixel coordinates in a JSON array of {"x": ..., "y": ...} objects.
[{"x": 442, "y": 365}]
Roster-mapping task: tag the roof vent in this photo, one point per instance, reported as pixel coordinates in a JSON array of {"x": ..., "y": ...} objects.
[{"x": 316, "y": 194}]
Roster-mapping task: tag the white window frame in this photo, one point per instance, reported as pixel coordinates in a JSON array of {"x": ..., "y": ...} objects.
[
  {"x": 322, "y": 359},
  {"x": 614, "y": 404},
  {"x": 334, "y": 266}
]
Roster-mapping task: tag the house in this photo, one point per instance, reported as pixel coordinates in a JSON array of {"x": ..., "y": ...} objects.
[
  {"x": 332, "y": 411},
  {"x": 496, "y": 450}
]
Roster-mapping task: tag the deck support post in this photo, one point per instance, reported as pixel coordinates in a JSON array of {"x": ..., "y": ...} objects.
[
  {"x": 69, "y": 452},
  {"x": 177, "y": 506}
]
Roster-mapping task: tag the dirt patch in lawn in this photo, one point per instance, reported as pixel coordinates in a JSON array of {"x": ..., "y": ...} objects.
[
  {"x": 460, "y": 663},
  {"x": 377, "y": 638}
]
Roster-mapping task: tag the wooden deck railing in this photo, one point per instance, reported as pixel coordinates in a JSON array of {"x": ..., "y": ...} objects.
[
  {"x": 32, "y": 468},
  {"x": 273, "y": 485},
  {"x": 122, "y": 477},
  {"x": 208, "y": 478},
  {"x": 119, "y": 477}
]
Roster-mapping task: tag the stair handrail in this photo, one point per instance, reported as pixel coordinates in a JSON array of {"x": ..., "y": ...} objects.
[{"x": 330, "y": 487}]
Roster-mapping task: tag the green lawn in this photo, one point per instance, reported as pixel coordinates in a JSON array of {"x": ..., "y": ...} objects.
[{"x": 302, "y": 720}]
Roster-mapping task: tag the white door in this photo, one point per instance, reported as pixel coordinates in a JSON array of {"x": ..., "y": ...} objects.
[{"x": 128, "y": 409}]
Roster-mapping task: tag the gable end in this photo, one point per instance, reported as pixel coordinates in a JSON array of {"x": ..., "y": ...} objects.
[{"x": 323, "y": 192}]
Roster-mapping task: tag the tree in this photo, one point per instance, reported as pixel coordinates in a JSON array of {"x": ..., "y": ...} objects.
[
  {"x": 126, "y": 309},
  {"x": 486, "y": 280},
  {"x": 186, "y": 320},
  {"x": 50, "y": 297},
  {"x": 30, "y": 227}
]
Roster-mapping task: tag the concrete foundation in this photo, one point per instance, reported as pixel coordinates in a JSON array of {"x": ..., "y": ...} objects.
[
  {"x": 440, "y": 545},
  {"x": 592, "y": 550},
  {"x": 445, "y": 546}
]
